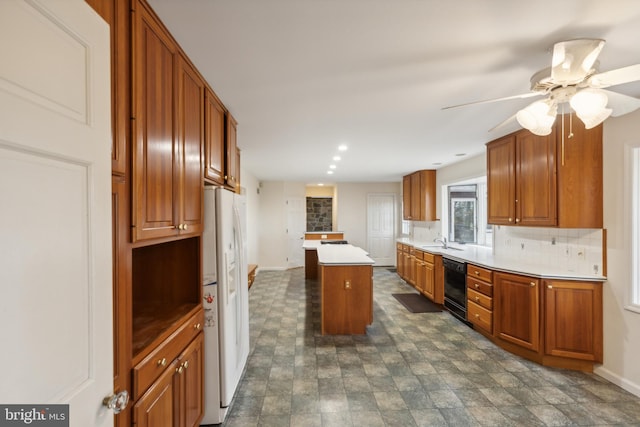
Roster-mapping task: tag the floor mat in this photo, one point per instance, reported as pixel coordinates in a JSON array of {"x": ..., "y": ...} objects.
[{"x": 416, "y": 303}]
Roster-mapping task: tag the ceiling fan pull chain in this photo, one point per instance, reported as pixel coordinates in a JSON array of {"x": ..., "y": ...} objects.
[{"x": 563, "y": 134}]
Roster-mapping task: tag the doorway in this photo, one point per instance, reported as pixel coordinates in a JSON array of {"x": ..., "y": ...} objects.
[{"x": 381, "y": 220}]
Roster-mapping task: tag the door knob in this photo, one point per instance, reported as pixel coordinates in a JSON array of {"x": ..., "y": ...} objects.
[{"x": 117, "y": 402}]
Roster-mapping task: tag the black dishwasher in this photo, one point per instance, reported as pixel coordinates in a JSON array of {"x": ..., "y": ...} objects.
[{"x": 455, "y": 287}]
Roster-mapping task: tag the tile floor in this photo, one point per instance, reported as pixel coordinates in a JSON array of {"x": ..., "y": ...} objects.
[{"x": 408, "y": 370}]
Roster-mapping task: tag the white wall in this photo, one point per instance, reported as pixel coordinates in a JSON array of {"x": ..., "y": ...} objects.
[
  {"x": 250, "y": 186},
  {"x": 352, "y": 208},
  {"x": 621, "y": 327},
  {"x": 272, "y": 222}
]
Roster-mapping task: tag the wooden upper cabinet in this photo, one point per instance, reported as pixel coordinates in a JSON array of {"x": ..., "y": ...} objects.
[
  {"x": 517, "y": 310},
  {"x": 535, "y": 179},
  {"x": 580, "y": 188},
  {"x": 406, "y": 197},
  {"x": 168, "y": 103},
  {"x": 190, "y": 127},
  {"x": 419, "y": 196},
  {"x": 214, "y": 139},
  {"x": 521, "y": 180},
  {"x": 501, "y": 181},
  {"x": 231, "y": 161},
  {"x": 552, "y": 180}
]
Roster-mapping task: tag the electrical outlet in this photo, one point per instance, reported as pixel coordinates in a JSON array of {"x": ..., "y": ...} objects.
[{"x": 581, "y": 253}]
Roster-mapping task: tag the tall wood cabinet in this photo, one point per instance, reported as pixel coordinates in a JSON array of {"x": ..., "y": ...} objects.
[
  {"x": 167, "y": 125},
  {"x": 419, "y": 196},
  {"x": 168, "y": 104}
]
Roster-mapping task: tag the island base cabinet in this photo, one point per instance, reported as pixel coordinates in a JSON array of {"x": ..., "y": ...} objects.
[
  {"x": 573, "y": 319},
  {"x": 346, "y": 299}
]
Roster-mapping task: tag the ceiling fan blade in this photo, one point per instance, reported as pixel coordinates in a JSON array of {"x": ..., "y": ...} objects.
[
  {"x": 621, "y": 104},
  {"x": 572, "y": 60},
  {"x": 510, "y": 120},
  {"x": 487, "y": 101},
  {"x": 615, "y": 77}
]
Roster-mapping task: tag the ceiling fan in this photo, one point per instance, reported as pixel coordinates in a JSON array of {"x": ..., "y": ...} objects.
[{"x": 573, "y": 79}]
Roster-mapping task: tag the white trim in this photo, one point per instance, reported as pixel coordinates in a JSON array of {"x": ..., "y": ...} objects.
[
  {"x": 633, "y": 192},
  {"x": 629, "y": 386}
]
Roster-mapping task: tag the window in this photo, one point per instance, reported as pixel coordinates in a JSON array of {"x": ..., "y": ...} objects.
[{"x": 466, "y": 213}]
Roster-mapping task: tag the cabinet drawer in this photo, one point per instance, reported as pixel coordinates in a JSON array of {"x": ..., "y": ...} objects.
[
  {"x": 418, "y": 254},
  {"x": 480, "y": 273},
  {"x": 399, "y": 246},
  {"x": 429, "y": 257},
  {"x": 150, "y": 368},
  {"x": 480, "y": 317},
  {"x": 480, "y": 299},
  {"x": 480, "y": 286}
]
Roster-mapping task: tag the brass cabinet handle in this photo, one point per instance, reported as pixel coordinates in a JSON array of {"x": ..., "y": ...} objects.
[
  {"x": 186, "y": 364},
  {"x": 549, "y": 287},
  {"x": 532, "y": 284},
  {"x": 517, "y": 219},
  {"x": 162, "y": 362},
  {"x": 477, "y": 286},
  {"x": 510, "y": 219},
  {"x": 179, "y": 369},
  {"x": 477, "y": 316},
  {"x": 477, "y": 272},
  {"x": 477, "y": 298},
  {"x": 196, "y": 326}
]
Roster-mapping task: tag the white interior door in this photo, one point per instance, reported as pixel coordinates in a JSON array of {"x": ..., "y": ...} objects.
[
  {"x": 296, "y": 226},
  {"x": 381, "y": 228},
  {"x": 55, "y": 219}
]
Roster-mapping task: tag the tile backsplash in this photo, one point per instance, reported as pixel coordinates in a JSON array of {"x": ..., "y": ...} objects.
[{"x": 574, "y": 250}]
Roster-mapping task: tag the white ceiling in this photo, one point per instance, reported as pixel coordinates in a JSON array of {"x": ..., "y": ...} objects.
[{"x": 304, "y": 76}]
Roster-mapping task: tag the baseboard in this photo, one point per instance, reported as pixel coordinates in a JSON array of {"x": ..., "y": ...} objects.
[
  {"x": 629, "y": 386},
  {"x": 271, "y": 269}
]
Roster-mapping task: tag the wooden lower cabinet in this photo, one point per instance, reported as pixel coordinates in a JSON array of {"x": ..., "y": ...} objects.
[
  {"x": 420, "y": 270},
  {"x": 573, "y": 319},
  {"x": 156, "y": 407},
  {"x": 517, "y": 310},
  {"x": 480, "y": 297},
  {"x": 175, "y": 399}
]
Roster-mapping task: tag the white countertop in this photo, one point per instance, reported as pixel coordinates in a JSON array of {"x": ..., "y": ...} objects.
[
  {"x": 484, "y": 257},
  {"x": 343, "y": 254}
]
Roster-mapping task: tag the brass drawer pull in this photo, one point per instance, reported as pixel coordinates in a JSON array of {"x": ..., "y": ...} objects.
[{"x": 162, "y": 362}]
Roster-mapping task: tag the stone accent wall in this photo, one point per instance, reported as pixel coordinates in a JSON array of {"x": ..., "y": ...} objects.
[{"x": 319, "y": 213}]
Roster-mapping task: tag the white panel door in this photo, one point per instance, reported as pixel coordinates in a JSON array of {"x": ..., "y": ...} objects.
[
  {"x": 296, "y": 226},
  {"x": 381, "y": 228},
  {"x": 55, "y": 215}
]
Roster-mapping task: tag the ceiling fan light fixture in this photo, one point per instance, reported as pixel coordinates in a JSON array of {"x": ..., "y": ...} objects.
[
  {"x": 594, "y": 120},
  {"x": 589, "y": 102},
  {"x": 538, "y": 115}
]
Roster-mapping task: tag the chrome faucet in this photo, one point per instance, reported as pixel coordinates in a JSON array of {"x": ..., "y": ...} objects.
[{"x": 443, "y": 240}]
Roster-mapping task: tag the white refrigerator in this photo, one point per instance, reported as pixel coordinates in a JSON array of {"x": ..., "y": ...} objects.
[{"x": 226, "y": 300}]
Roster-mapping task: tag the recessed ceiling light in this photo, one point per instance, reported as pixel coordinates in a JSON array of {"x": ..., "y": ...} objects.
[
  {"x": 320, "y": 184},
  {"x": 329, "y": 172},
  {"x": 336, "y": 158},
  {"x": 332, "y": 166},
  {"x": 461, "y": 154},
  {"x": 342, "y": 147}
]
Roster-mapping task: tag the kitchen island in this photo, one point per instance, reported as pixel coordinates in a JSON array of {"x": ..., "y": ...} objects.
[
  {"x": 313, "y": 239},
  {"x": 346, "y": 289}
]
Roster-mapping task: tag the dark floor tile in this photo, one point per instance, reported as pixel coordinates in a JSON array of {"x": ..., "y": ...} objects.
[{"x": 424, "y": 369}]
